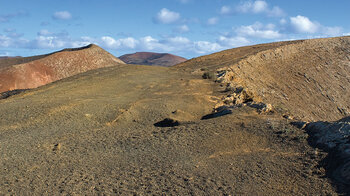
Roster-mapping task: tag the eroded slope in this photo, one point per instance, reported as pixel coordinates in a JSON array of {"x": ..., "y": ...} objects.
[
  {"x": 309, "y": 80},
  {"x": 31, "y": 72}
]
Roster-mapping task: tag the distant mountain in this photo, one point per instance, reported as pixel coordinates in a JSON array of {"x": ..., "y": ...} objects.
[
  {"x": 150, "y": 58},
  {"x": 31, "y": 72}
]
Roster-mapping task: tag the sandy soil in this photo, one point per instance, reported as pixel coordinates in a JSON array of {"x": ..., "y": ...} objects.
[{"x": 94, "y": 134}]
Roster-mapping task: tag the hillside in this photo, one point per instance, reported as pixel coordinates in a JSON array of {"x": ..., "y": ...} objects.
[
  {"x": 151, "y": 58},
  {"x": 213, "y": 125},
  {"x": 309, "y": 80},
  {"x": 31, "y": 72}
]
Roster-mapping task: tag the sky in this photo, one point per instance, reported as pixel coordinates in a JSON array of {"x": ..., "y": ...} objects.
[{"x": 187, "y": 28}]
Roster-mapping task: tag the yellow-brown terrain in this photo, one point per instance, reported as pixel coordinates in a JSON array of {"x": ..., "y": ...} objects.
[{"x": 222, "y": 124}]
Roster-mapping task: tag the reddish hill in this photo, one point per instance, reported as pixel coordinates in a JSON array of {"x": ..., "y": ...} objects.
[
  {"x": 150, "y": 58},
  {"x": 31, "y": 72}
]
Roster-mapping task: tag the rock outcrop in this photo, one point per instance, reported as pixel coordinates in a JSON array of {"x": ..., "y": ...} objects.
[
  {"x": 334, "y": 137},
  {"x": 31, "y": 72}
]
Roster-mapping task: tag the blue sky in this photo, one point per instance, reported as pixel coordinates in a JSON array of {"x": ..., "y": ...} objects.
[{"x": 187, "y": 28}]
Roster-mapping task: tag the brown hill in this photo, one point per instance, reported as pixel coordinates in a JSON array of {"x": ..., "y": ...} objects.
[
  {"x": 31, "y": 72},
  {"x": 307, "y": 79},
  {"x": 150, "y": 58}
]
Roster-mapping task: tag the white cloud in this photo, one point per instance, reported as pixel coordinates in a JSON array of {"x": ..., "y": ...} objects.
[
  {"x": 62, "y": 15},
  {"x": 259, "y": 7},
  {"x": 225, "y": 10},
  {"x": 283, "y": 21},
  {"x": 177, "y": 44},
  {"x": 177, "y": 41},
  {"x": 170, "y": 44},
  {"x": 48, "y": 42},
  {"x": 5, "y": 41},
  {"x": 258, "y": 30},
  {"x": 276, "y": 12},
  {"x": 166, "y": 16},
  {"x": 44, "y": 40},
  {"x": 126, "y": 43},
  {"x": 14, "y": 42},
  {"x": 202, "y": 47},
  {"x": 129, "y": 42},
  {"x": 269, "y": 26},
  {"x": 332, "y": 31},
  {"x": 302, "y": 24},
  {"x": 151, "y": 44},
  {"x": 213, "y": 21},
  {"x": 44, "y": 32},
  {"x": 109, "y": 42},
  {"x": 253, "y": 7},
  {"x": 182, "y": 29},
  {"x": 231, "y": 42}
]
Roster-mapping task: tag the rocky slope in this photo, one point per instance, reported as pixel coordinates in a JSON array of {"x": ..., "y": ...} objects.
[
  {"x": 334, "y": 138},
  {"x": 31, "y": 72},
  {"x": 150, "y": 58},
  {"x": 308, "y": 80}
]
